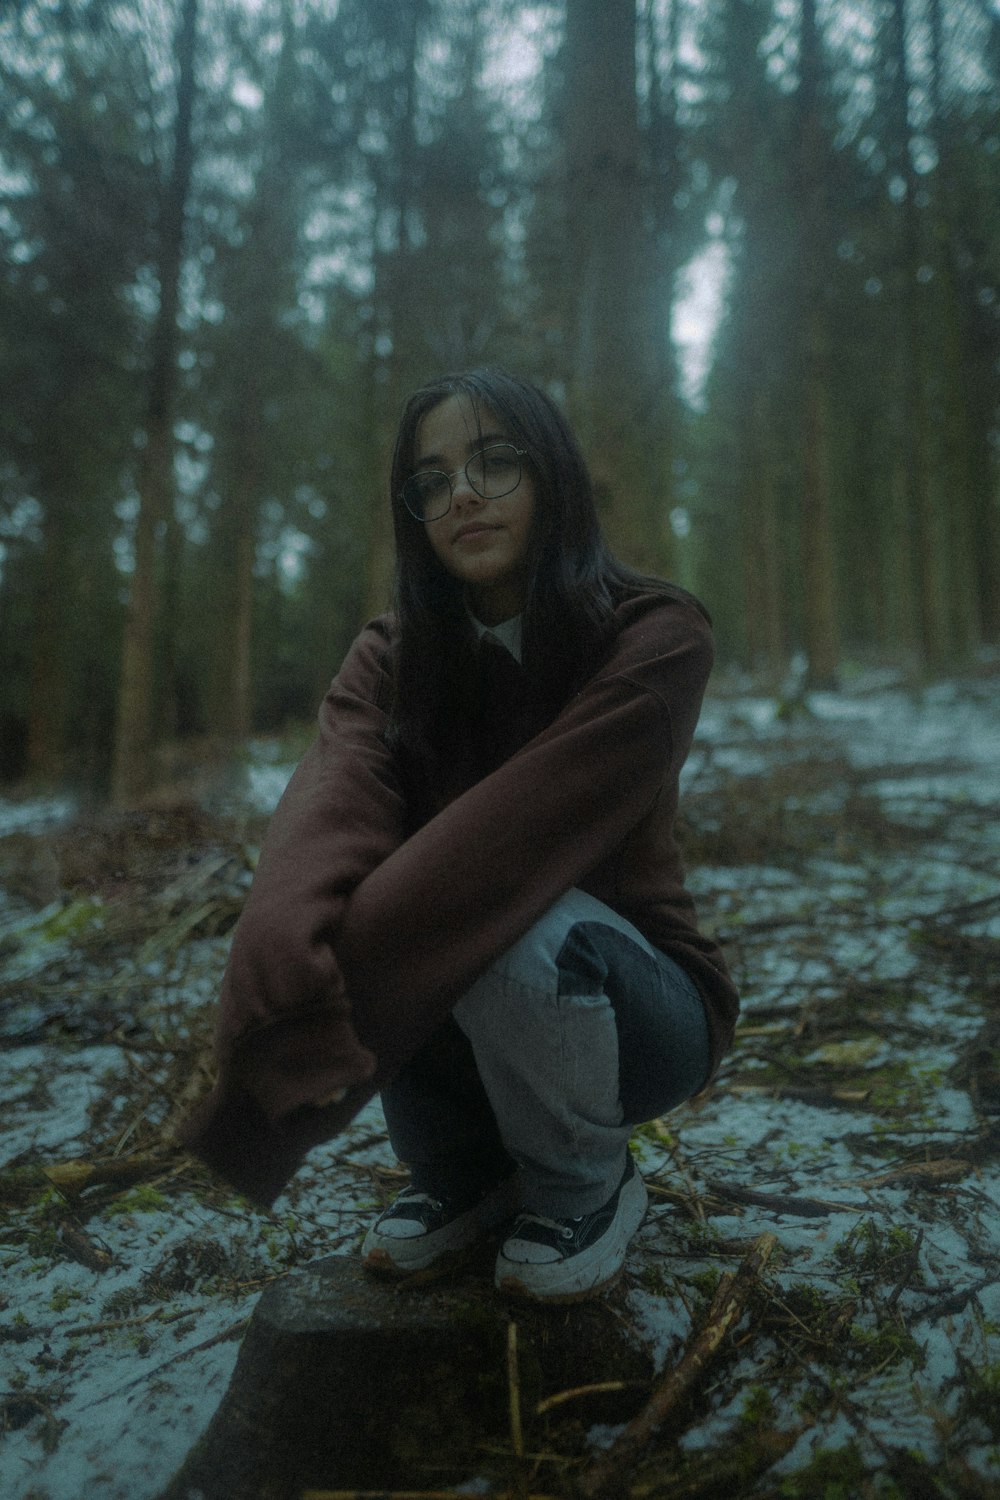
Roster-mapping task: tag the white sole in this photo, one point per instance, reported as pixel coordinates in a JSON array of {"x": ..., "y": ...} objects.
[
  {"x": 587, "y": 1274},
  {"x": 385, "y": 1255}
]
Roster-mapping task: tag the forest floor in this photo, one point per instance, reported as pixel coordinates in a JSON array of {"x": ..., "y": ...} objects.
[{"x": 848, "y": 853}]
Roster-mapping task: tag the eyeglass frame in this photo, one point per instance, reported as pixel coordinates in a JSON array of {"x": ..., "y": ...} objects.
[{"x": 522, "y": 454}]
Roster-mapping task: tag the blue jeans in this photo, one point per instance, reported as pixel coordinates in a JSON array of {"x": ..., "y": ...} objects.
[{"x": 578, "y": 1032}]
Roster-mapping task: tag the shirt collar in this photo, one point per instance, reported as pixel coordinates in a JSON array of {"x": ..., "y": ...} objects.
[{"x": 506, "y": 634}]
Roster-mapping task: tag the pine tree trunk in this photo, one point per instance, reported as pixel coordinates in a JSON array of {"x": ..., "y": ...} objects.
[
  {"x": 47, "y": 691},
  {"x": 955, "y": 460},
  {"x": 899, "y": 574},
  {"x": 818, "y": 562},
  {"x": 241, "y": 697},
  {"x": 132, "y": 764},
  {"x": 397, "y": 295},
  {"x": 818, "y": 558},
  {"x": 616, "y": 390},
  {"x": 764, "y": 594},
  {"x": 929, "y": 548}
]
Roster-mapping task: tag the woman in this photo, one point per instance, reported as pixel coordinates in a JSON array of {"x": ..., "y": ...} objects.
[{"x": 470, "y": 897}]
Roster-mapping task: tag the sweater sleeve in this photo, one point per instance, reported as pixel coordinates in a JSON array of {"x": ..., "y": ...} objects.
[
  {"x": 420, "y": 927},
  {"x": 341, "y": 815}
]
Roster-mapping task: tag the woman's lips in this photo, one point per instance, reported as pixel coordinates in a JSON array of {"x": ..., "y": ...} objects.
[{"x": 474, "y": 529}]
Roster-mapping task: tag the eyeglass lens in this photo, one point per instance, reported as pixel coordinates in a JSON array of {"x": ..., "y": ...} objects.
[{"x": 492, "y": 473}]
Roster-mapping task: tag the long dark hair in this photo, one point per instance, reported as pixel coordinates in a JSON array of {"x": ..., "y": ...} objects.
[{"x": 574, "y": 581}]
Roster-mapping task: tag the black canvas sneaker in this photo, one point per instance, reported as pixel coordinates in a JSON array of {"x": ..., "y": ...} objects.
[
  {"x": 566, "y": 1260},
  {"x": 418, "y": 1230}
]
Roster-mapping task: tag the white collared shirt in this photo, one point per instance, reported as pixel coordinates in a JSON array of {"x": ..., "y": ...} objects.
[{"x": 507, "y": 633}]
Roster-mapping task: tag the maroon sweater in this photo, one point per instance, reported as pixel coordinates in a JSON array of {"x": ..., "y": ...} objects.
[{"x": 349, "y": 901}]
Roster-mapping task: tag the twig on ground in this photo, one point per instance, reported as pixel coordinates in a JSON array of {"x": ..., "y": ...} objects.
[
  {"x": 71, "y": 1177},
  {"x": 514, "y": 1392},
  {"x": 609, "y": 1474},
  {"x": 911, "y": 1264},
  {"x": 780, "y": 1203},
  {"x": 945, "y": 1169},
  {"x": 111, "y": 1325},
  {"x": 598, "y": 1388},
  {"x": 954, "y": 1302}
]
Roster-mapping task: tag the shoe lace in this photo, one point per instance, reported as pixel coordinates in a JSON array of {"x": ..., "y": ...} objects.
[
  {"x": 413, "y": 1197},
  {"x": 558, "y": 1226}
]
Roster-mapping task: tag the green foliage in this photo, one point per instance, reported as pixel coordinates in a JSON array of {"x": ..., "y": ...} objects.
[
  {"x": 144, "y": 1199},
  {"x": 759, "y": 1409},
  {"x": 836, "y": 1474},
  {"x": 64, "y": 1297}
]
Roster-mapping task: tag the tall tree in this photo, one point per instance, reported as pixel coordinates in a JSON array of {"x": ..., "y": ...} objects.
[
  {"x": 72, "y": 241},
  {"x": 749, "y": 138},
  {"x": 134, "y": 731},
  {"x": 957, "y": 471},
  {"x": 814, "y": 231},
  {"x": 616, "y": 374},
  {"x": 919, "y": 524}
]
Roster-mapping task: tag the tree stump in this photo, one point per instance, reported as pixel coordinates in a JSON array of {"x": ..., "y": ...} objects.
[{"x": 343, "y": 1382}]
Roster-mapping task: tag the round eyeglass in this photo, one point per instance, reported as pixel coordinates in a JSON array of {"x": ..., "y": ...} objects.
[{"x": 492, "y": 472}]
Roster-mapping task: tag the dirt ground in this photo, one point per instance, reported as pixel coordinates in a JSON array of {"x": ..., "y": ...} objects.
[{"x": 846, "y": 847}]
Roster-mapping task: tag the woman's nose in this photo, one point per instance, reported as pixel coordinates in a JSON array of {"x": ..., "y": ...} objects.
[{"x": 462, "y": 492}]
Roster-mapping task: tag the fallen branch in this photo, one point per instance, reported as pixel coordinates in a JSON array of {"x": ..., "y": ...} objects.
[
  {"x": 955, "y": 1302},
  {"x": 802, "y": 1094},
  {"x": 71, "y": 1177},
  {"x": 609, "y": 1475},
  {"x": 945, "y": 1169},
  {"x": 112, "y": 1325},
  {"x": 514, "y": 1393},
  {"x": 780, "y": 1203},
  {"x": 83, "y": 1248}
]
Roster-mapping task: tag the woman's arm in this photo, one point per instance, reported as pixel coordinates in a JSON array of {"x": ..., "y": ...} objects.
[
  {"x": 421, "y": 926},
  {"x": 340, "y": 816},
  {"x": 414, "y": 922}
]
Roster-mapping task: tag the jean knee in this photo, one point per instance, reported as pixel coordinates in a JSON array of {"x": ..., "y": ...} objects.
[{"x": 663, "y": 1043}]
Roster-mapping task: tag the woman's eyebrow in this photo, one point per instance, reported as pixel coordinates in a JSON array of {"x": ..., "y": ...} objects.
[{"x": 481, "y": 439}]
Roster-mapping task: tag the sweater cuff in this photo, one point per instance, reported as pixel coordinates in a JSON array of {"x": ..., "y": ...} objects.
[{"x": 257, "y": 1155}]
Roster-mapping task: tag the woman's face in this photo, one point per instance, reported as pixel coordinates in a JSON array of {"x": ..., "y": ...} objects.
[{"x": 484, "y": 543}]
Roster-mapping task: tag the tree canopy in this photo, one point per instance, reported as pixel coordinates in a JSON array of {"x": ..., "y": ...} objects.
[{"x": 233, "y": 236}]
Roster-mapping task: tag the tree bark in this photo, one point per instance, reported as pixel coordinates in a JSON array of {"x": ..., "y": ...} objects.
[
  {"x": 922, "y": 519},
  {"x": 767, "y": 646},
  {"x": 818, "y": 559},
  {"x": 48, "y": 677},
  {"x": 955, "y": 462},
  {"x": 616, "y": 383},
  {"x": 132, "y": 761},
  {"x": 397, "y": 296}
]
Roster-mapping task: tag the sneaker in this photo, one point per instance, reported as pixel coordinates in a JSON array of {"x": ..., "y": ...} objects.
[
  {"x": 418, "y": 1230},
  {"x": 566, "y": 1260}
]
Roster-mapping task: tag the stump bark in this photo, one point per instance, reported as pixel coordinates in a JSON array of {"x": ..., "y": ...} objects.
[{"x": 343, "y": 1382}]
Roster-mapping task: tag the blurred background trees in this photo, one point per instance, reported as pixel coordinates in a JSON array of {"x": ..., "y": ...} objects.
[{"x": 233, "y": 235}]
